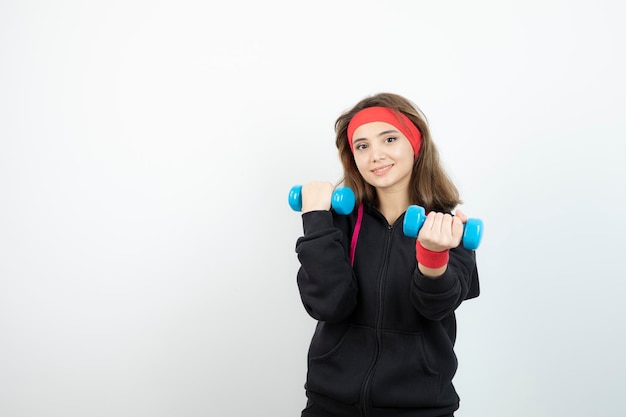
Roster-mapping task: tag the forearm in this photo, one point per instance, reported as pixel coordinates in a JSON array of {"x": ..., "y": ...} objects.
[
  {"x": 331, "y": 298},
  {"x": 432, "y": 273},
  {"x": 325, "y": 279},
  {"x": 437, "y": 292}
]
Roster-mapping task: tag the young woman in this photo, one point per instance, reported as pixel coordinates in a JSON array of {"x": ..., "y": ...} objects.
[{"x": 384, "y": 302}]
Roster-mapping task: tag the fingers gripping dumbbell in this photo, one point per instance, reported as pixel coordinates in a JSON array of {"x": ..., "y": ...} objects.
[
  {"x": 416, "y": 216},
  {"x": 342, "y": 200}
]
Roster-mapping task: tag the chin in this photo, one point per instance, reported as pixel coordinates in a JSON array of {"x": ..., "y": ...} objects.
[{"x": 382, "y": 183}]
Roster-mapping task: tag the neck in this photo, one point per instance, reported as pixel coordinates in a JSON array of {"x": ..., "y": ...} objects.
[{"x": 392, "y": 203}]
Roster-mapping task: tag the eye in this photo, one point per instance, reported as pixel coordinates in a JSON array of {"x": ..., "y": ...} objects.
[
  {"x": 360, "y": 146},
  {"x": 391, "y": 139}
]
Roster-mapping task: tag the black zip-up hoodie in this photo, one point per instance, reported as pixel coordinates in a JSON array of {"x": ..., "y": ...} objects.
[{"x": 385, "y": 332}]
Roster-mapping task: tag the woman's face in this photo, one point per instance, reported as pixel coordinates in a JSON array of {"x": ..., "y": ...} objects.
[{"x": 383, "y": 155}]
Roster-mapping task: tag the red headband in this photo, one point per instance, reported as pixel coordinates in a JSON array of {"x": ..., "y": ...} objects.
[{"x": 387, "y": 115}]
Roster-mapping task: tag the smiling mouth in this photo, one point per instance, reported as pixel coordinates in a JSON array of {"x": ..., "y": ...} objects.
[{"x": 382, "y": 170}]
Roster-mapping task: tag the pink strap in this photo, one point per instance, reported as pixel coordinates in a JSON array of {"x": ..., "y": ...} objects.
[{"x": 355, "y": 233}]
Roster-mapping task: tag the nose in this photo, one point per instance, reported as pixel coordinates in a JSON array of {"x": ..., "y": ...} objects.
[{"x": 378, "y": 154}]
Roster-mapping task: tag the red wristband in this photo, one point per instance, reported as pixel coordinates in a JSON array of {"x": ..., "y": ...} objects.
[{"x": 429, "y": 258}]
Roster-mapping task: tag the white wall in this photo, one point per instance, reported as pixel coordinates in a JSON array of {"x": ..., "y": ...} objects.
[{"x": 147, "y": 263}]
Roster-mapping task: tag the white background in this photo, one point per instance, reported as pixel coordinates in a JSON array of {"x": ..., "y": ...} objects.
[{"x": 147, "y": 263}]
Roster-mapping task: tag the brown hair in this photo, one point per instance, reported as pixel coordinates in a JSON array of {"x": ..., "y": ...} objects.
[{"x": 430, "y": 187}]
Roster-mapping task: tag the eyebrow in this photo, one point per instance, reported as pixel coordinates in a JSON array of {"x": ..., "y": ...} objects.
[{"x": 383, "y": 133}]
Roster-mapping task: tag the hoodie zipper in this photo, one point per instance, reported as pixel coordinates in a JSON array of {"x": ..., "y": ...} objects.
[{"x": 365, "y": 389}]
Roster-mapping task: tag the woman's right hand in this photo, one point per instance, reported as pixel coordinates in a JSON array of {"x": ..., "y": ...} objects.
[{"x": 317, "y": 195}]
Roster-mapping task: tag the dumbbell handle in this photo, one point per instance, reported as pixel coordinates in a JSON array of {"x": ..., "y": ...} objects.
[
  {"x": 415, "y": 217},
  {"x": 342, "y": 200}
]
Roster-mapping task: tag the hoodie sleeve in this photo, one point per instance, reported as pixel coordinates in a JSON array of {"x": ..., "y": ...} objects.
[
  {"x": 435, "y": 298},
  {"x": 326, "y": 282}
]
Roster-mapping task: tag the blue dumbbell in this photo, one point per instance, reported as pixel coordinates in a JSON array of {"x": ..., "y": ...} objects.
[
  {"x": 342, "y": 200},
  {"x": 416, "y": 215}
]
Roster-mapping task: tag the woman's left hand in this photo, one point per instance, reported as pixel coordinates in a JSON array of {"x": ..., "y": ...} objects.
[{"x": 442, "y": 231}]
